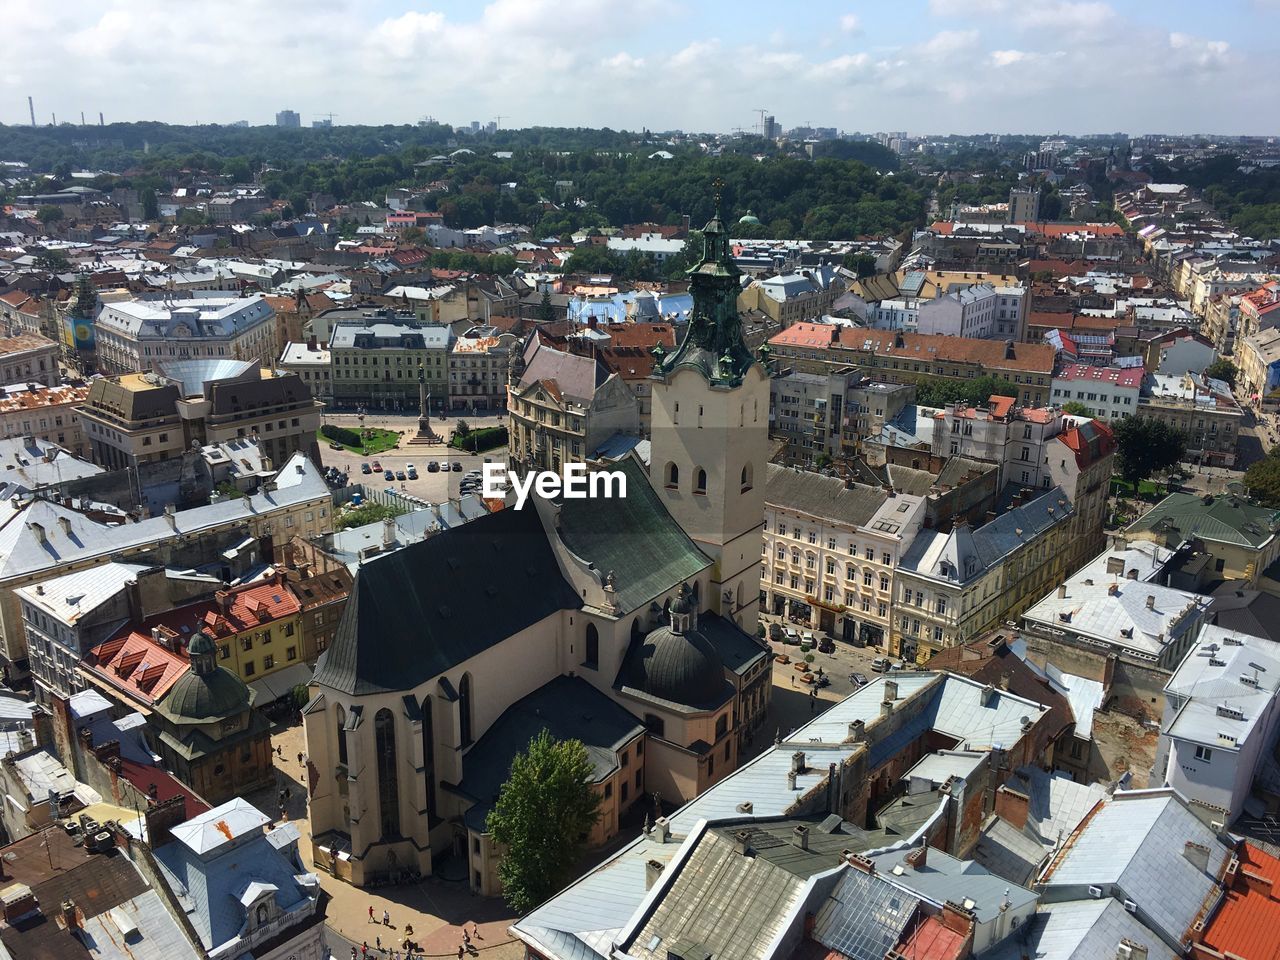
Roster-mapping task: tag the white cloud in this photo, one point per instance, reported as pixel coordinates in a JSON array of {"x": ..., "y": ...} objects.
[
  {"x": 850, "y": 23},
  {"x": 1003, "y": 58}
]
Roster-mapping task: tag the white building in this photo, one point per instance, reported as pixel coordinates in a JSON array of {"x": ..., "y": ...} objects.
[
  {"x": 1110, "y": 393},
  {"x": 136, "y": 334},
  {"x": 650, "y": 244},
  {"x": 1220, "y": 719},
  {"x": 310, "y": 361}
]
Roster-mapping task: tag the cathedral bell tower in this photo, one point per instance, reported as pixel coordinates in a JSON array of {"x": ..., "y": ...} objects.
[{"x": 710, "y": 431}]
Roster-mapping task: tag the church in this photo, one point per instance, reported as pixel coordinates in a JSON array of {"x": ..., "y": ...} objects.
[{"x": 628, "y": 623}]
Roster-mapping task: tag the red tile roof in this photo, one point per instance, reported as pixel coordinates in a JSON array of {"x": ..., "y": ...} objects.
[
  {"x": 938, "y": 348},
  {"x": 1246, "y": 924},
  {"x": 1090, "y": 442},
  {"x": 1130, "y": 377},
  {"x": 136, "y": 664},
  {"x": 933, "y": 940},
  {"x": 166, "y": 785}
]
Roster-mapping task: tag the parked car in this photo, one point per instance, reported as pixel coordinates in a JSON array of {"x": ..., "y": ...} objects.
[
  {"x": 880, "y": 665},
  {"x": 444, "y": 465},
  {"x": 457, "y": 467},
  {"x": 335, "y": 446},
  {"x": 377, "y": 467},
  {"x": 791, "y": 636},
  {"x": 433, "y": 467},
  {"x": 410, "y": 468},
  {"x": 365, "y": 468},
  {"x": 826, "y": 645},
  {"x": 400, "y": 475},
  {"x": 858, "y": 679},
  {"x": 412, "y": 472},
  {"x": 389, "y": 475},
  {"x": 822, "y": 680}
]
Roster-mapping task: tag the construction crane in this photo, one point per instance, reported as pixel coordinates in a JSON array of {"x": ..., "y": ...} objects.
[
  {"x": 497, "y": 121},
  {"x": 326, "y": 116},
  {"x": 763, "y": 111}
]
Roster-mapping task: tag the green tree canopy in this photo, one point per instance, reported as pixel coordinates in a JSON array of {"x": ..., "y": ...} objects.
[
  {"x": 1222, "y": 369},
  {"x": 939, "y": 392},
  {"x": 1076, "y": 409},
  {"x": 546, "y": 310},
  {"x": 592, "y": 258},
  {"x": 1146, "y": 447},
  {"x": 49, "y": 214},
  {"x": 545, "y": 809},
  {"x": 53, "y": 261},
  {"x": 150, "y": 205},
  {"x": 1262, "y": 479}
]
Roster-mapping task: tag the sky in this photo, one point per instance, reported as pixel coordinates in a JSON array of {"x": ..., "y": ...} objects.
[{"x": 922, "y": 66}]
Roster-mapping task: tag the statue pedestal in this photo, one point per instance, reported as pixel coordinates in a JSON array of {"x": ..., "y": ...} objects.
[{"x": 425, "y": 433}]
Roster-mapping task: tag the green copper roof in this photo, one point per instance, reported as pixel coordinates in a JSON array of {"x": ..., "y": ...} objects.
[
  {"x": 1224, "y": 519},
  {"x": 195, "y": 698},
  {"x": 634, "y": 537},
  {"x": 712, "y": 342}
]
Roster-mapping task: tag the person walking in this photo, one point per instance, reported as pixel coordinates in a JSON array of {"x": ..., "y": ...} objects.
[
  {"x": 371, "y": 913},
  {"x": 386, "y": 918}
]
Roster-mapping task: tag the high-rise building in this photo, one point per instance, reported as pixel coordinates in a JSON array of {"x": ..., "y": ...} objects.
[
  {"x": 1024, "y": 204},
  {"x": 772, "y": 129},
  {"x": 288, "y": 118}
]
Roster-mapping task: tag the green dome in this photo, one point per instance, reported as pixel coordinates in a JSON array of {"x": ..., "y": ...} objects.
[
  {"x": 200, "y": 643},
  {"x": 213, "y": 696},
  {"x": 749, "y": 218}
]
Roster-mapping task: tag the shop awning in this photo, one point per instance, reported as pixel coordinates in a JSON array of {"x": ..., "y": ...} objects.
[{"x": 276, "y": 685}]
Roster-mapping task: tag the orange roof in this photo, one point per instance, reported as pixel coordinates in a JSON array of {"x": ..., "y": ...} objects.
[
  {"x": 933, "y": 940},
  {"x": 1246, "y": 923},
  {"x": 1000, "y": 406},
  {"x": 1033, "y": 357},
  {"x": 643, "y": 334},
  {"x": 138, "y": 665},
  {"x": 15, "y": 298}
]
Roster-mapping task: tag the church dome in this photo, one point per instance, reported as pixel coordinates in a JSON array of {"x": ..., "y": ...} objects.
[
  {"x": 680, "y": 667},
  {"x": 211, "y": 696},
  {"x": 749, "y": 218}
]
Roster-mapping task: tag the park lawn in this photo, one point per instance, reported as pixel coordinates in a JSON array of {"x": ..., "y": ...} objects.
[
  {"x": 1146, "y": 488},
  {"x": 375, "y": 441}
]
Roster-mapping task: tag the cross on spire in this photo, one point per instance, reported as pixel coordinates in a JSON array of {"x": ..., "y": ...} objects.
[{"x": 717, "y": 185}]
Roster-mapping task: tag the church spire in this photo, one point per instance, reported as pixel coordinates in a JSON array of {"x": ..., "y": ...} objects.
[{"x": 713, "y": 341}]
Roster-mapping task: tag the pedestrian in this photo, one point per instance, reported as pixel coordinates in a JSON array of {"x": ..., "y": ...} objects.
[
  {"x": 364, "y": 949},
  {"x": 475, "y": 931},
  {"x": 466, "y": 937},
  {"x": 377, "y": 943},
  {"x": 353, "y": 953},
  {"x": 386, "y": 918},
  {"x": 299, "y": 759},
  {"x": 461, "y": 952},
  {"x": 371, "y": 913}
]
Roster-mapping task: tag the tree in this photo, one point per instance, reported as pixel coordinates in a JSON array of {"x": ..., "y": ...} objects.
[
  {"x": 53, "y": 261},
  {"x": 546, "y": 312},
  {"x": 543, "y": 814},
  {"x": 864, "y": 264},
  {"x": 592, "y": 258},
  {"x": 150, "y": 205},
  {"x": 191, "y": 217},
  {"x": 1222, "y": 369},
  {"x": 1262, "y": 479},
  {"x": 1146, "y": 447},
  {"x": 49, "y": 214},
  {"x": 937, "y": 392},
  {"x": 1076, "y": 409}
]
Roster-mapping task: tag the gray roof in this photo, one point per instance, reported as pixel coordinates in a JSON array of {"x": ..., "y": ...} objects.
[
  {"x": 864, "y": 917},
  {"x": 1226, "y": 686},
  {"x": 943, "y": 878},
  {"x": 390, "y": 335},
  {"x": 577, "y": 377},
  {"x": 1224, "y": 519},
  {"x": 29, "y": 463},
  {"x": 803, "y": 491},
  {"x": 1078, "y": 930},
  {"x": 1255, "y": 612},
  {"x": 1133, "y": 849},
  {"x": 569, "y": 708}
]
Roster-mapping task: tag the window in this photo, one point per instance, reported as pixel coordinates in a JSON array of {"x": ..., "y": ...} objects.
[
  {"x": 249, "y": 669},
  {"x": 1204, "y": 754},
  {"x": 700, "y": 481},
  {"x": 341, "y": 717},
  {"x": 464, "y": 709},
  {"x": 268, "y": 662},
  {"x": 673, "y": 476},
  {"x": 388, "y": 787},
  {"x": 246, "y": 643},
  {"x": 291, "y": 653},
  {"x": 224, "y": 651},
  {"x": 747, "y": 474},
  {"x": 870, "y": 553},
  {"x": 593, "y": 647}
]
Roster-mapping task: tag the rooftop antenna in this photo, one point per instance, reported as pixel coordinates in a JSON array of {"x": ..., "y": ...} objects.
[{"x": 31, "y": 105}]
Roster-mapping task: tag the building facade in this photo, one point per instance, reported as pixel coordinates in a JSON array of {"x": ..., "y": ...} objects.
[
  {"x": 29, "y": 358},
  {"x": 51, "y": 414},
  {"x": 139, "y": 335},
  {"x": 374, "y": 361}
]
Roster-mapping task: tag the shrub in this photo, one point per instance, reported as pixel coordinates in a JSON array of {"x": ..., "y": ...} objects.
[
  {"x": 341, "y": 435},
  {"x": 485, "y": 438}
]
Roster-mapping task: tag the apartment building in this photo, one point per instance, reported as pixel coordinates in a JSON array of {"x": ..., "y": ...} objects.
[
  {"x": 1000, "y": 432},
  {"x": 376, "y": 356},
  {"x": 46, "y": 413},
  {"x": 138, "y": 335},
  {"x": 29, "y": 358},
  {"x": 1109, "y": 393},
  {"x": 896, "y": 357},
  {"x": 1257, "y": 358},
  {"x": 1202, "y": 408},
  {"x": 950, "y": 587},
  {"x": 478, "y": 368},
  {"x": 1241, "y": 536},
  {"x": 830, "y": 551},
  {"x": 829, "y": 414},
  {"x": 310, "y": 362},
  {"x": 981, "y": 311},
  {"x": 145, "y": 417},
  {"x": 793, "y": 297}
]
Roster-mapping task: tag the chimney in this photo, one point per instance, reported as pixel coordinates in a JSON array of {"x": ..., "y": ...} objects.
[
  {"x": 661, "y": 829},
  {"x": 1197, "y": 855},
  {"x": 835, "y": 334},
  {"x": 1062, "y": 591},
  {"x": 311, "y": 343},
  {"x": 886, "y": 708},
  {"x": 742, "y": 842},
  {"x": 65, "y": 523},
  {"x": 891, "y": 689},
  {"x": 224, "y": 599},
  {"x": 652, "y": 870},
  {"x": 1013, "y": 806},
  {"x": 1129, "y": 950},
  {"x": 1113, "y": 589},
  {"x": 857, "y": 730},
  {"x": 988, "y": 695},
  {"x": 389, "y": 532},
  {"x": 171, "y": 514},
  {"x": 797, "y": 762},
  {"x": 1151, "y": 601},
  {"x": 70, "y": 915},
  {"x": 918, "y": 857},
  {"x": 800, "y": 837},
  {"x": 791, "y": 779},
  {"x": 38, "y": 530}
]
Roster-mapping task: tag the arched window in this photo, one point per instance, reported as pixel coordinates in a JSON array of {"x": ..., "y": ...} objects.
[
  {"x": 747, "y": 477},
  {"x": 593, "y": 647},
  {"x": 672, "y": 475},
  {"x": 341, "y": 716},
  {"x": 263, "y": 914},
  {"x": 464, "y": 709},
  {"x": 700, "y": 481},
  {"x": 429, "y": 758},
  {"x": 636, "y": 630},
  {"x": 384, "y": 732},
  {"x": 722, "y": 725}
]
